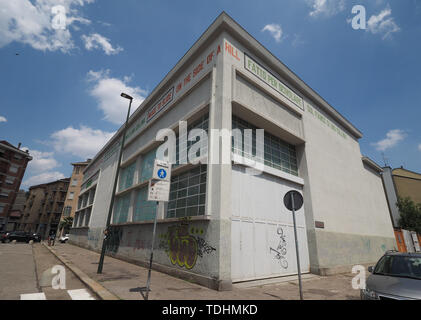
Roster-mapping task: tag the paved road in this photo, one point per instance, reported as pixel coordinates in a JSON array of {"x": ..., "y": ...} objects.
[
  {"x": 17, "y": 275},
  {"x": 26, "y": 273}
]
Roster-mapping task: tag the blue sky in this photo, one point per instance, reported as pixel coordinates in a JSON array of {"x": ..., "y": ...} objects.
[{"x": 59, "y": 96}]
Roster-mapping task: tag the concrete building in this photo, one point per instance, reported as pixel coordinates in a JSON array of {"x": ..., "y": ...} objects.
[
  {"x": 70, "y": 204},
  {"x": 13, "y": 162},
  {"x": 44, "y": 206},
  {"x": 17, "y": 210},
  {"x": 402, "y": 183},
  {"x": 225, "y": 223}
]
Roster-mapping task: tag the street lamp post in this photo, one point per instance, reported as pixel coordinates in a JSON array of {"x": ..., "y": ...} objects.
[{"x": 101, "y": 259}]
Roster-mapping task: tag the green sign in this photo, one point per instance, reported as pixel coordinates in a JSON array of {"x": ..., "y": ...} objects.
[{"x": 269, "y": 79}]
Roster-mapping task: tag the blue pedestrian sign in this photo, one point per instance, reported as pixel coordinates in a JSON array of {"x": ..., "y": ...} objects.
[
  {"x": 161, "y": 170},
  {"x": 162, "y": 173}
]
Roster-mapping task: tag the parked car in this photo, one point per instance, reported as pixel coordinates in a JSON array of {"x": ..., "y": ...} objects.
[
  {"x": 396, "y": 276},
  {"x": 63, "y": 239},
  {"x": 20, "y": 236}
]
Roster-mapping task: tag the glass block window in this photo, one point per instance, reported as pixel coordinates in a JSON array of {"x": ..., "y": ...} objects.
[
  {"x": 188, "y": 193},
  {"x": 121, "y": 209},
  {"x": 146, "y": 166},
  {"x": 278, "y": 154},
  {"x": 201, "y": 123},
  {"x": 144, "y": 209},
  {"x": 126, "y": 177}
]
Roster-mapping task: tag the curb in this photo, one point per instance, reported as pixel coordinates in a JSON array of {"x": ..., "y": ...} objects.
[{"x": 94, "y": 286}]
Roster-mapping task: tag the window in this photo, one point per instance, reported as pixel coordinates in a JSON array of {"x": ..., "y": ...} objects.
[
  {"x": 126, "y": 177},
  {"x": 10, "y": 181},
  {"x": 74, "y": 182},
  {"x": 2, "y": 206},
  {"x": 278, "y": 154},
  {"x": 201, "y": 123},
  {"x": 4, "y": 194},
  {"x": 67, "y": 210},
  {"x": 91, "y": 196},
  {"x": 144, "y": 209},
  {"x": 121, "y": 209},
  {"x": 77, "y": 169},
  {"x": 76, "y": 219},
  {"x": 13, "y": 168},
  {"x": 188, "y": 193},
  {"x": 146, "y": 166},
  {"x": 87, "y": 217},
  {"x": 71, "y": 195},
  {"x": 17, "y": 156},
  {"x": 81, "y": 216}
]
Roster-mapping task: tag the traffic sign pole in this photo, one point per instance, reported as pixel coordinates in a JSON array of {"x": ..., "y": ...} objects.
[
  {"x": 296, "y": 247},
  {"x": 148, "y": 282}
]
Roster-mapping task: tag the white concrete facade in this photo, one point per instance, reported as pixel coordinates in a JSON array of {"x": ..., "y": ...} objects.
[{"x": 240, "y": 229}]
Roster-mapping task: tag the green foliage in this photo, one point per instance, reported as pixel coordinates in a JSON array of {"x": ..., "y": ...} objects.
[
  {"x": 66, "y": 223},
  {"x": 410, "y": 213}
]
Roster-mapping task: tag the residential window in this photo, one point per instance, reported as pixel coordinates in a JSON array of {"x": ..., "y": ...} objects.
[
  {"x": 67, "y": 210},
  {"x": 74, "y": 182},
  {"x": 14, "y": 169},
  {"x": 126, "y": 177},
  {"x": 71, "y": 195},
  {"x": 9, "y": 181},
  {"x": 4, "y": 194},
  {"x": 77, "y": 169},
  {"x": 188, "y": 193},
  {"x": 121, "y": 209},
  {"x": 144, "y": 209},
  {"x": 278, "y": 154}
]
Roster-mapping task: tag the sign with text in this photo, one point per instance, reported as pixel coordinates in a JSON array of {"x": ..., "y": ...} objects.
[
  {"x": 272, "y": 81},
  {"x": 158, "y": 190}
]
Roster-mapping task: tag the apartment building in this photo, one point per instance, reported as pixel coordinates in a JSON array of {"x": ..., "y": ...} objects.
[
  {"x": 44, "y": 207},
  {"x": 13, "y": 163},
  {"x": 70, "y": 204}
]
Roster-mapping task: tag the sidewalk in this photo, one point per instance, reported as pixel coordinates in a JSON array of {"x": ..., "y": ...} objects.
[{"x": 119, "y": 277}]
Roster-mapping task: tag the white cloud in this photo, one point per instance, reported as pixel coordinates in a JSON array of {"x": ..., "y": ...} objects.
[
  {"x": 43, "y": 178},
  {"x": 383, "y": 23},
  {"x": 84, "y": 142},
  {"x": 391, "y": 140},
  {"x": 107, "y": 90},
  {"x": 3, "y": 119},
  {"x": 275, "y": 30},
  {"x": 326, "y": 7},
  {"x": 96, "y": 41},
  {"x": 41, "y": 161},
  {"x": 31, "y": 22}
]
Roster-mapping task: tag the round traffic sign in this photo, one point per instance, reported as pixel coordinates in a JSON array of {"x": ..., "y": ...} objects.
[
  {"x": 162, "y": 173},
  {"x": 298, "y": 200}
]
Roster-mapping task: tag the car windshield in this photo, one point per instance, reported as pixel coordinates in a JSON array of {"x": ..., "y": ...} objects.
[{"x": 399, "y": 266}]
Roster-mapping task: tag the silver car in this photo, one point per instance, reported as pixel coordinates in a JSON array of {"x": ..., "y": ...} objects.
[{"x": 396, "y": 276}]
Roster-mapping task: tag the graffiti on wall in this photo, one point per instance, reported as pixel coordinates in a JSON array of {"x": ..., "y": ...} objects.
[
  {"x": 114, "y": 236},
  {"x": 281, "y": 250},
  {"x": 184, "y": 245}
]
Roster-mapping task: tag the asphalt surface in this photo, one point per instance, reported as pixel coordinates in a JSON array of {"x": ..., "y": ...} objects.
[{"x": 28, "y": 270}]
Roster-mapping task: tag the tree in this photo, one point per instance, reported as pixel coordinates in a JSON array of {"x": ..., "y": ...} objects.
[
  {"x": 66, "y": 223},
  {"x": 410, "y": 214}
]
